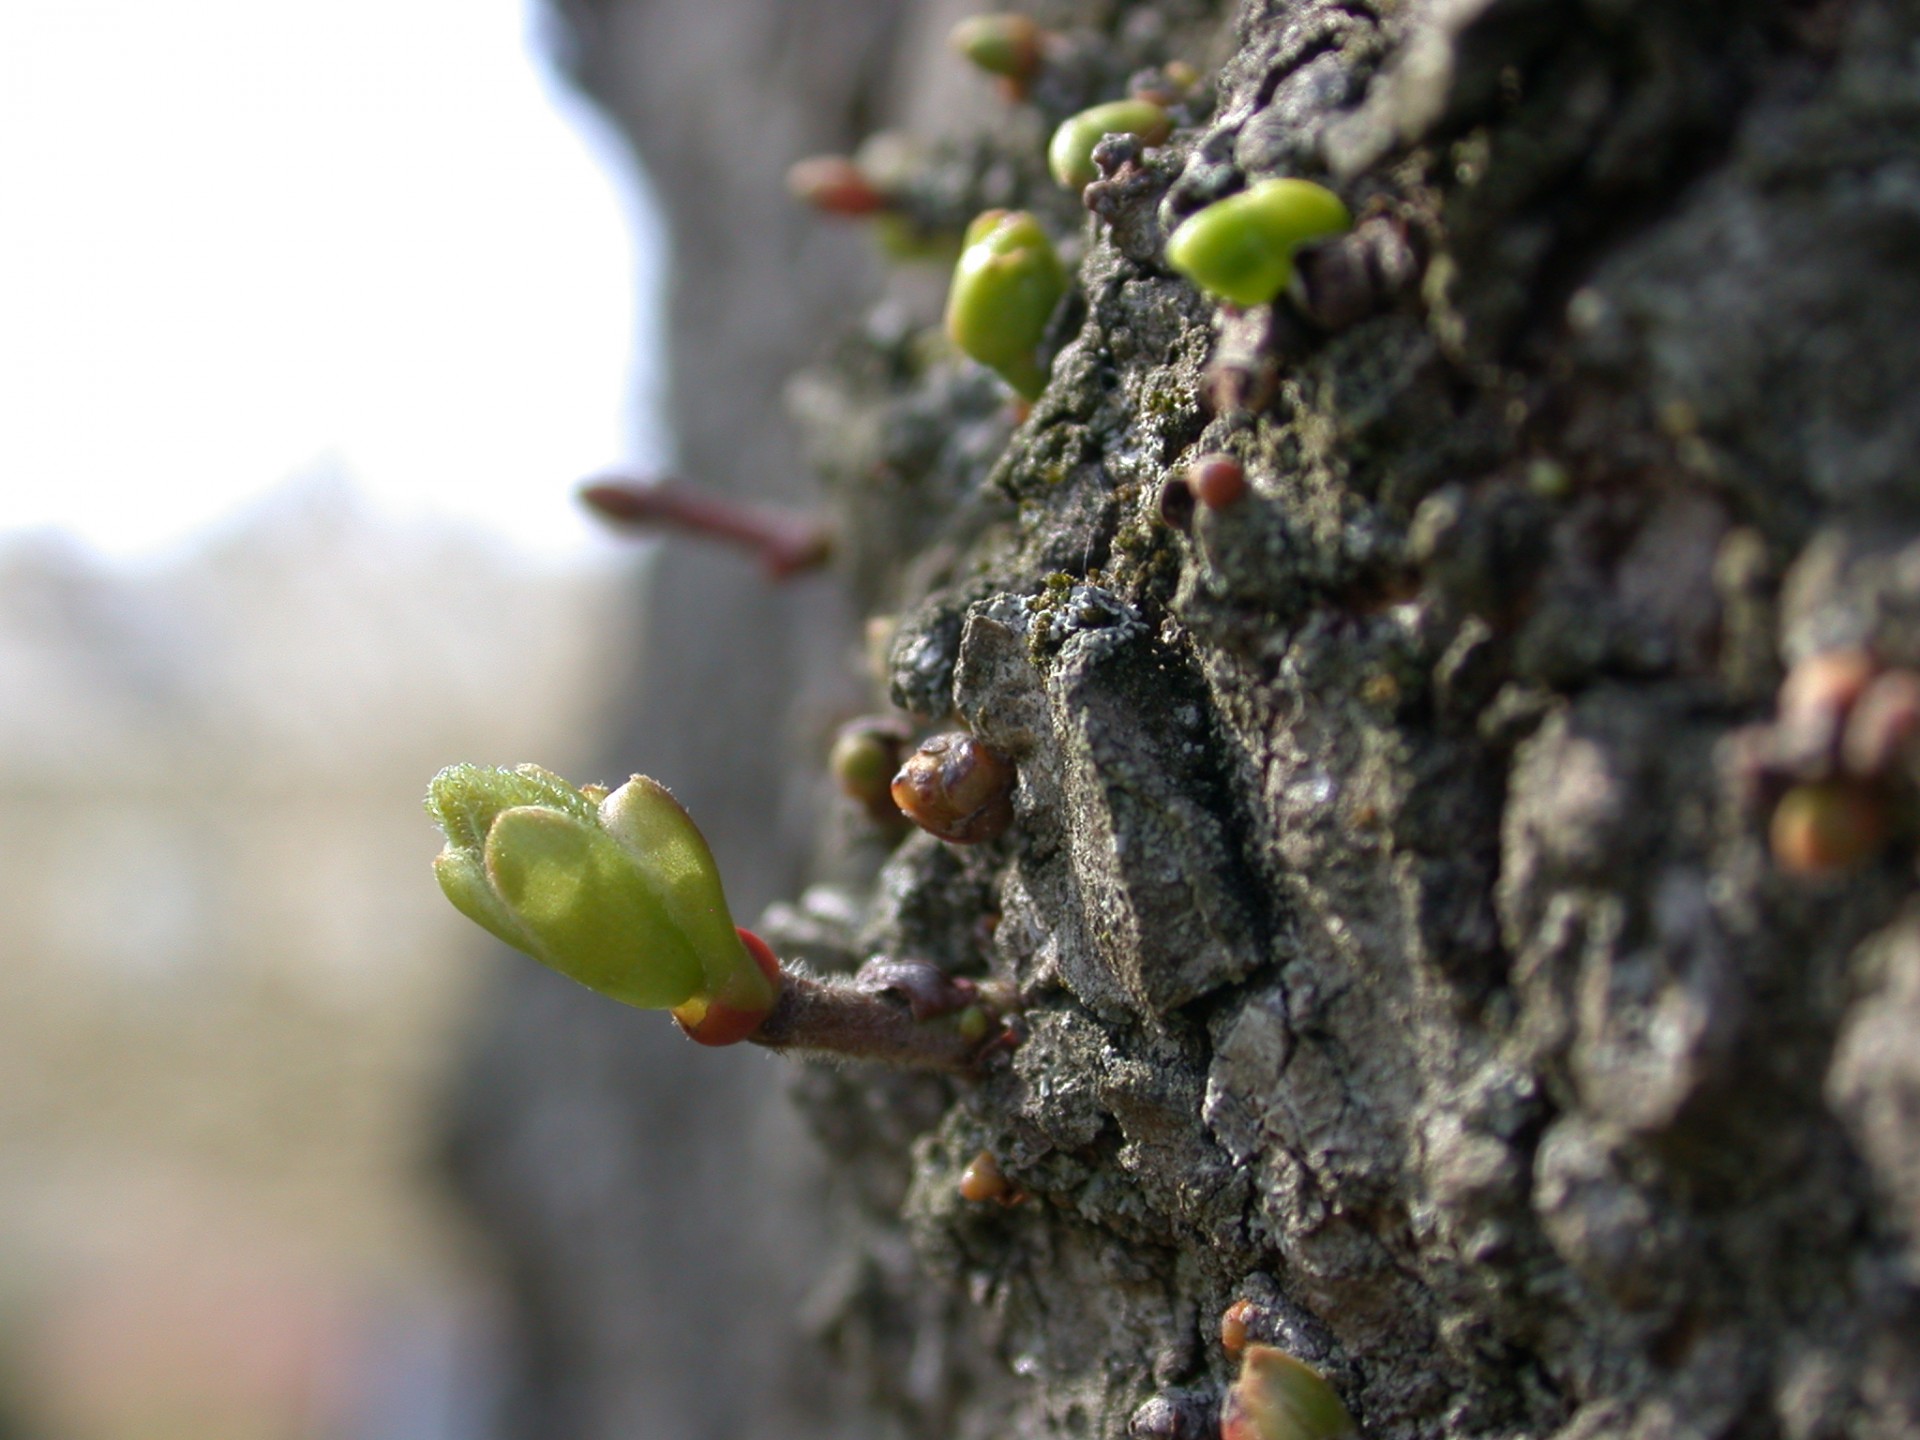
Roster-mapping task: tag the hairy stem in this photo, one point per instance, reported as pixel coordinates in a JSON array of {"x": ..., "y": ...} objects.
[{"x": 863, "y": 1023}]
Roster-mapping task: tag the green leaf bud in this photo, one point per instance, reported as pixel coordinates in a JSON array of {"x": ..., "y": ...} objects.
[
  {"x": 579, "y": 897},
  {"x": 464, "y": 801},
  {"x": 621, "y": 895},
  {"x": 1006, "y": 45},
  {"x": 649, "y": 822},
  {"x": 1280, "y": 1398},
  {"x": 865, "y": 754},
  {"x": 1070, "y": 155},
  {"x": 1005, "y": 288},
  {"x": 1241, "y": 249}
]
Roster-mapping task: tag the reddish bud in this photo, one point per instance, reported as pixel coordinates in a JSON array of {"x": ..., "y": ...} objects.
[
  {"x": 1830, "y": 680},
  {"x": 1218, "y": 481},
  {"x": 834, "y": 185},
  {"x": 715, "y": 1021},
  {"x": 1234, "y": 1331}
]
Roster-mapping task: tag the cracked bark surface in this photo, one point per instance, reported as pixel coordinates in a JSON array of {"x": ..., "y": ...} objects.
[{"x": 1399, "y": 950}]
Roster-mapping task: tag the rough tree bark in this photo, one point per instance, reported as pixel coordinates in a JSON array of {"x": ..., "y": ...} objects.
[{"x": 1394, "y": 910}]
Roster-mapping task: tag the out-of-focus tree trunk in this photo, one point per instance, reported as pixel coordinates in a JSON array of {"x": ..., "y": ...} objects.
[{"x": 1390, "y": 891}]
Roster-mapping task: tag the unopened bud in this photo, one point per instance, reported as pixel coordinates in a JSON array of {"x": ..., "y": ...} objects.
[
  {"x": 1005, "y": 288},
  {"x": 982, "y": 1180},
  {"x": 1070, "y": 155},
  {"x": 619, "y": 893},
  {"x": 1822, "y": 827},
  {"x": 1218, "y": 481},
  {"x": 958, "y": 788},
  {"x": 1241, "y": 249},
  {"x": 1280, "y": 1398},
  {"x": 1010, "y": 46},
  {"x": 865, "y": 755}
]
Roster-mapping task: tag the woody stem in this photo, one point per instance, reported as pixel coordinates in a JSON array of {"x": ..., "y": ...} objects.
[
  {"x": 842, "y": 1019},
  {"x": 786, "y": 544}
]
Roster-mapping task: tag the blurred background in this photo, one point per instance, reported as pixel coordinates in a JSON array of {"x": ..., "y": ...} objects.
[{"x": 310, "y": 315}]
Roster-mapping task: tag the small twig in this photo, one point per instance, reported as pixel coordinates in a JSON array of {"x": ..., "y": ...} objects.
[
  {"x": 874, "y": 1017},
  {"x": 787, "y": 544}
]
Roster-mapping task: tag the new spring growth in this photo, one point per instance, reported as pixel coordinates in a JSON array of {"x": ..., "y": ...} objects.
[
  {"x": 618, "y": 891},
  {"x": 1240, "y": 249},
  {"x": 1012, "y": 47},
  {"x": 866, "y": 753},
  {"x": 1280, "y": 1398},
  {"x": 1070, "y": 155},
  {"x": 1004, "y": 291}
]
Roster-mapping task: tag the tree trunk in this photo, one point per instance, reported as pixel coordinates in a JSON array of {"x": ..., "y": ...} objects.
[{"x": 1430, "y": 923}]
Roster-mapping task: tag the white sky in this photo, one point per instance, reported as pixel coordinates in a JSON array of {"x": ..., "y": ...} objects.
[{"x": 244, "y": 239}]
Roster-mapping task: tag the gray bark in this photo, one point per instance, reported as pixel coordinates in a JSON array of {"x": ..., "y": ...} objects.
[{"x": 1398, "y": 950}]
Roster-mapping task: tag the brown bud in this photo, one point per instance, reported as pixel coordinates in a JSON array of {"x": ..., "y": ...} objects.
[
  {"x": 982, "y": 1180},
  {"x": 1218, "y": 481},
  {"x": 1234, "y": 1327},
  {"x": 957, "y": 788},
  {"x": 1176, "y": 1415},
  {"x": 1381, "y": 690},
  {"x": 1822, "y": 827},
  {"x": 1343, "y": 281}
]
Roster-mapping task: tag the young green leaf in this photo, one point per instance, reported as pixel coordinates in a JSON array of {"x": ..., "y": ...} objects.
[{"x": 1241, "y": 249}]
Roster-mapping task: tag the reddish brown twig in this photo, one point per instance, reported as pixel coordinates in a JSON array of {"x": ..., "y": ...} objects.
[{"x": 787, "y": 544}]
